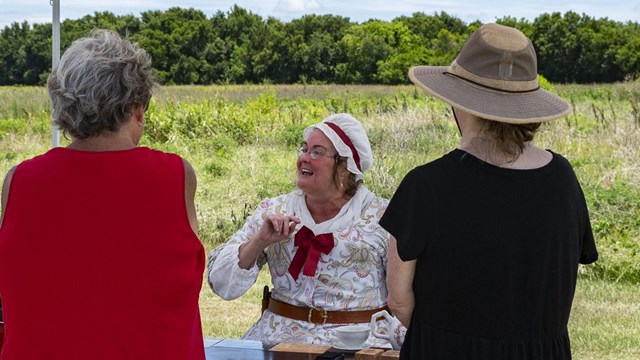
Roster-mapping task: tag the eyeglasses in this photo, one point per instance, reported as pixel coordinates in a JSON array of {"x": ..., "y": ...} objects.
[{"x": 314, "y": 154}]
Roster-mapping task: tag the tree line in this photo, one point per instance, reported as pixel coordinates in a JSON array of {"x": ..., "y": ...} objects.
[{"x": 238, "y": 46}]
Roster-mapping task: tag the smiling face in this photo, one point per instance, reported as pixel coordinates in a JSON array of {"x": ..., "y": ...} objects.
[{"x": 316, "y": 176}]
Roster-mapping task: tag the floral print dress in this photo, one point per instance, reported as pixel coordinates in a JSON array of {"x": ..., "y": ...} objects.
[{"x": 350, "y": 277}]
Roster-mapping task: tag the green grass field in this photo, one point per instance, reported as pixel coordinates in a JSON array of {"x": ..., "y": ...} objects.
[{"x": 242, "y": 142}]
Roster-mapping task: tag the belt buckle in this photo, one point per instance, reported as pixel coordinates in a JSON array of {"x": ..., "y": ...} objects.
[{"x": 325, "y": 315}]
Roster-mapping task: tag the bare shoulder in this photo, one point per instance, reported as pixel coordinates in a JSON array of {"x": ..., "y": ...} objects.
[
  {"x": 6, "y": 185},
  {"x": 189, "y": 173},
  {"x": 190, "y": 184},
  {"x": 187, "y": 166},
  {"x": 5, "y": 190}
]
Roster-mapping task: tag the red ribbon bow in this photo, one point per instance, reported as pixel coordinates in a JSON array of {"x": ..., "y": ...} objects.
[{"x": 309, "y": 248}]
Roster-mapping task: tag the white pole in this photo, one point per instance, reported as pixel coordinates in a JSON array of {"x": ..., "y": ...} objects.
[{"x": 55, "y": 58}]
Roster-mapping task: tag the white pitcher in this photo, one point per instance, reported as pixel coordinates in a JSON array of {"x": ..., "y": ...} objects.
[{"x": 396, "y": 330}]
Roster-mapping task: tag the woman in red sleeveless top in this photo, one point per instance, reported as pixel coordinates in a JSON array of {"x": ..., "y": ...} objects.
[{"x": 99, "y": 257}]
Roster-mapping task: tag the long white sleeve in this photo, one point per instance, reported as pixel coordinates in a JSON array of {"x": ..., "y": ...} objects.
[{"x": 224, "y": 275}]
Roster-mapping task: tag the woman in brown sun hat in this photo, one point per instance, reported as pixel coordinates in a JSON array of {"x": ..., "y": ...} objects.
[{"x": 487, "y": 239}]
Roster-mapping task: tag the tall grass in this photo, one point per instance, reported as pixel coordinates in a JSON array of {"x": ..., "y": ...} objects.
[{"x": 242, "y": 142}]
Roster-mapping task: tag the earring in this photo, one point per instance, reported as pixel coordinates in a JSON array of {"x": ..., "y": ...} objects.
[{"x": 141, "y": 124}]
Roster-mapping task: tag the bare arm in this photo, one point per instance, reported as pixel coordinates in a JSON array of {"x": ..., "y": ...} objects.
[
  {"x": 400, "y": 275},
  {"x": 190, "y": 185},
  {"x": 5, "y": 192}
]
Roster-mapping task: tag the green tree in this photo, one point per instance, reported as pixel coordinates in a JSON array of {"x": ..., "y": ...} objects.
[
  {"x": 13, "y": 55},
  {"x": 365, "y": 45},
  {"x": 427, "y": 27},
  {"x": 215, "y": 58},
  {"x": 601, "y": 42},
  {"x": 240, "y": 47},
  {"x": 26, "y": 54},
  {"x": 272, "y": 61},
  {"x": 556, "y": 41},
  {"x": 245, "y": 35},
  {"x": 176, "y": 40},
  {"x": 313, "y": 45},
  {"x": 38, "y": 55},
  {"x": 430, "y": 40},
  {"x": 71, "y": 30},
  {"x": 445, "y": 47},
  {"x": 628, "y": 55},
  {"x": 581, "y": 49},
  {"x": 407, "y": 50}
]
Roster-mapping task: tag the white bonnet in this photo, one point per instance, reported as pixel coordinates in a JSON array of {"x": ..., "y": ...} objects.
[{"x": 346, "y": 135}]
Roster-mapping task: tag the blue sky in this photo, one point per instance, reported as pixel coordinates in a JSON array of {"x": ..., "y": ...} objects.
[{"x": 39, "y": 11}]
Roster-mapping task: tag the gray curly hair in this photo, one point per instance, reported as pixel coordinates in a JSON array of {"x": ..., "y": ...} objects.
[{"x": 98, "y": 80}]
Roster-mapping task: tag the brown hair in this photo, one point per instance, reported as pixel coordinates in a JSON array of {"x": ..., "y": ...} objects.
[
  {"x": 510, "y": 139},
  {"x": 351, "y": 186}
]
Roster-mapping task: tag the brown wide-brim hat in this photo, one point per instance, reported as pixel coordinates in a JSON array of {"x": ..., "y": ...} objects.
[{"x": 494, "y": 77}]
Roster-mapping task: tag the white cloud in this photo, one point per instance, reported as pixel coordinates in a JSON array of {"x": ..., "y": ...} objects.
[{"x": 297, "y": 6}]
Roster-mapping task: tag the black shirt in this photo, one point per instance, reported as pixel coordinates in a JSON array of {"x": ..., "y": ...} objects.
[{"x": 497, "y": 257}]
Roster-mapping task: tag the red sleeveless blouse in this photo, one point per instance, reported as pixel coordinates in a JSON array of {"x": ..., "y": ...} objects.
[{"x": 98, "y": 260}]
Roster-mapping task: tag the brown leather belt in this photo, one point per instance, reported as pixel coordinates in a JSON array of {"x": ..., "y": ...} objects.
[{"x": 319, "y": 316}]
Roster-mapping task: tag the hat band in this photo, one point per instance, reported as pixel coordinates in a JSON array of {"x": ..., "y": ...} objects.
[
  {"x": 347, "y": 142},
  {"x": 489, "y": 87},
  {"x": 501, "y": 85}
]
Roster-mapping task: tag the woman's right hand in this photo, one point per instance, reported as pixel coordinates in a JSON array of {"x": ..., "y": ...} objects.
[{"x": 276, "y": 227}]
